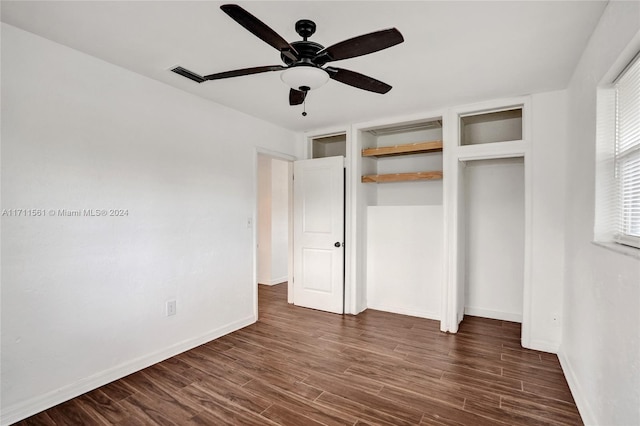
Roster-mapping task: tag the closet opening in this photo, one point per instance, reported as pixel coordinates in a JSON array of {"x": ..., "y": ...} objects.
[
  {"x": 402, "y": 192},
  {"x": 494, "y": 238}
]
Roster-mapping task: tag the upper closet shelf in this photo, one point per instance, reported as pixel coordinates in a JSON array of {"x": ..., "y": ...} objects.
[
  {"x": 405, "y": 149},
  {"x": 402, "y": 177}
]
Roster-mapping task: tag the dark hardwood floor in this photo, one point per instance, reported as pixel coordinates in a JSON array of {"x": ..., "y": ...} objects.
[{"x": 298, "y": 366}]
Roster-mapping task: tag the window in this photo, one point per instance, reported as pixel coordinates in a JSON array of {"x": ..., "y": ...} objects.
[
  {"x": 627, "y": 154},
  {"x": 617, "y": 205}
]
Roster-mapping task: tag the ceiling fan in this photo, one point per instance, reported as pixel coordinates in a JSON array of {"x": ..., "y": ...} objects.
[{"x": 304, "y": 60}]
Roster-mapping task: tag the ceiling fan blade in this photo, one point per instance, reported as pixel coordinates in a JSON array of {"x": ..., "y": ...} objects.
[
  {"x": 358, "y": 46},
  {"x": 296, "y": 97},
  {"x": 259, "y": 29},
  {"x": 358, "y": 80},
  {"x": 244, "y": 71}
]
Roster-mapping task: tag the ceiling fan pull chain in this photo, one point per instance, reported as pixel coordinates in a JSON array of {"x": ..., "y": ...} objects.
[{"x": 304, "y": 107}]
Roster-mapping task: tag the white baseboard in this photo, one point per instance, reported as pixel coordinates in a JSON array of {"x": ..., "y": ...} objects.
[
  {"x": 486, "y": 313},
  {"x": 584, "y": 408},
  {"x": 360, "y": 306},
  {"x": 276, "y": 281},
  {"x": 404, "y": 311},
  {"x": 279, "y": 280},
  {"x": 24, "y": 409},
  {"x": 543, "y": 346}
]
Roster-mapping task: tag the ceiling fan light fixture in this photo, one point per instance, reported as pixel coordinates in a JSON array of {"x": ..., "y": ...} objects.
[{"x": 304, "y": 76}]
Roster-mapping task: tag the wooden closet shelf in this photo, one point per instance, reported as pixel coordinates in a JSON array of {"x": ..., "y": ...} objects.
[
  {"x": 402, "y": 177},
  {"x": 404, "y": 149}
]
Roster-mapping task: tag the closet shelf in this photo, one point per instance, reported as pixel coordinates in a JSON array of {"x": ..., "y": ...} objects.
[
  {"x": 402, "y": 177},
  {"x": 404, "y": 149}
]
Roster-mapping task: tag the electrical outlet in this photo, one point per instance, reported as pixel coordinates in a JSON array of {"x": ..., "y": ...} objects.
[{"x": 171, "y": 308}]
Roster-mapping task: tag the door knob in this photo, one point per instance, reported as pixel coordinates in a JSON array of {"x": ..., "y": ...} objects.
[{"x": 337, "y": 244}]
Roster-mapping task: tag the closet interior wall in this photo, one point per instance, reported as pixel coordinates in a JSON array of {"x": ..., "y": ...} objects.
[{"x": 494, "y": 238}]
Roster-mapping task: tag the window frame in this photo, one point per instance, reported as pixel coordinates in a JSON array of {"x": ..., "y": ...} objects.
[{"x": 630, "y": 152}]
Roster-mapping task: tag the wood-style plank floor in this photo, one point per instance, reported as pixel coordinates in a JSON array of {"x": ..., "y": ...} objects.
[{"x": 298, "y": 366}]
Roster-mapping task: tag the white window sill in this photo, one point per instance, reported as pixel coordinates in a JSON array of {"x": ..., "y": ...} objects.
[{"x": 619, "y": 248}]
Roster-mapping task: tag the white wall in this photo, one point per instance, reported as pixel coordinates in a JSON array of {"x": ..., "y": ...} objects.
[
  {"x": 548, "y": 167},
  {"x": 273, "y": 220},
  {"x": 494, "y": 215},
  {"x": 600, "y": 349},
  {"x": 279, "y": 221},
  {"x": 405, "y": 259},
  {"x": 83, "y": 298}
]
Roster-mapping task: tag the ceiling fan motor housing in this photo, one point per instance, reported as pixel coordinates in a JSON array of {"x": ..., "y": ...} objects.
[
  {"x": 305, "y": 28},
  {"x": 307, "y": 50}
]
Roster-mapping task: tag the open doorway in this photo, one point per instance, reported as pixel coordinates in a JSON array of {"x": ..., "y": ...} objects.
[
  {"x": 273, "y": 220},
  {"x": 274, "y": 234}
]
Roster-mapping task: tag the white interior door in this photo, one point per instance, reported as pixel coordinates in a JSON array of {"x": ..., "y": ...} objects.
[{"x": 318, "y": 265}]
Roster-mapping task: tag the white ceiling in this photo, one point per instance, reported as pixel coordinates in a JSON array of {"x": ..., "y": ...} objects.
[{"x": 454, "y": 52}]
